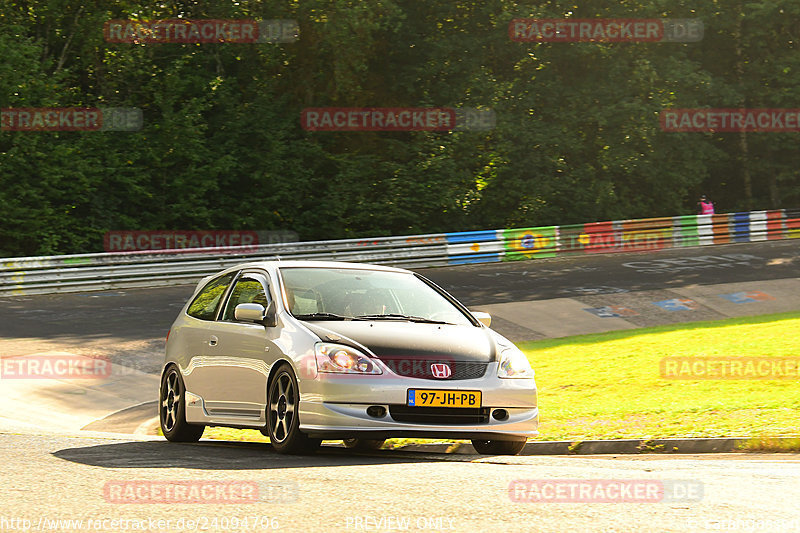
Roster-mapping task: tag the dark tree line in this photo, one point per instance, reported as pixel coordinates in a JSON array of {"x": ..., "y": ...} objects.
[{"x": 577, "y": 136}]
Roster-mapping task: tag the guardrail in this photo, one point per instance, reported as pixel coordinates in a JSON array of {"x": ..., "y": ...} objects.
[{"x": 89, "y": 272}]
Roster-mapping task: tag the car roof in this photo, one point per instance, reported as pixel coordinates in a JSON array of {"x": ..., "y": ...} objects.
[{"x": 272, "y": 266}]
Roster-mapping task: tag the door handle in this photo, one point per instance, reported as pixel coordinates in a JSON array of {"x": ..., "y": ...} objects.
[{"x": 213, "y": 340}]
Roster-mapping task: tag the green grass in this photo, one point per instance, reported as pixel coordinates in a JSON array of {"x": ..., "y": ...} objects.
[{"x": 607, "y": 386}]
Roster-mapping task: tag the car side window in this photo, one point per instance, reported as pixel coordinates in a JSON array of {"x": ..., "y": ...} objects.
[
  {"x": 248, "y": 290},
  {"x": 204, "y": 306}
]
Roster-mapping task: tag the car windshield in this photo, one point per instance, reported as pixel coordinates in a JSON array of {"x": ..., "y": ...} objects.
[{"x": 345, "y": 294}]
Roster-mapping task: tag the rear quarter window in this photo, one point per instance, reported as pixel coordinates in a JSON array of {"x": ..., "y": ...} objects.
[{"x": 205, "y": 304}]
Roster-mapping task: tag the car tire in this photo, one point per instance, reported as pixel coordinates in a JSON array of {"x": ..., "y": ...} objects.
[
  {"x": 499, "y": 447},
  {"x": 283, "y": 421},
  {"x": 172, "y": 409},
  {"x": 363, "y": 444}
]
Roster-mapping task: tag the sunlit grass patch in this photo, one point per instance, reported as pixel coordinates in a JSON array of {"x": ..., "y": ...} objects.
[{"x": 609, "y": 385}]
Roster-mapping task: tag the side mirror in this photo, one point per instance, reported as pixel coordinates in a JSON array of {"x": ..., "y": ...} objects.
[
  {"x": 256, "y": 313},
  {"x": 249, "y": 312},
  {"x": 483, "y": 318}
]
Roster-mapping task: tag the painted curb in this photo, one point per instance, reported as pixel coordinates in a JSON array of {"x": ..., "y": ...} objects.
[{"x": 606, "y": 447}]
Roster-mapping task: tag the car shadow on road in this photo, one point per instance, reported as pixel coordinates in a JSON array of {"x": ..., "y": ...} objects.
[{"x": 224, "y": 455}]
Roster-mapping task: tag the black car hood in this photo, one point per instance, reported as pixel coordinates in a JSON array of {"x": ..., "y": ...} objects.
[{"x": 410, "y": 340}]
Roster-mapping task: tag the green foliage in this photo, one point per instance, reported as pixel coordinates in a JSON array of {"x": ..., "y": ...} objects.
[{"x": 577, "y": 136}]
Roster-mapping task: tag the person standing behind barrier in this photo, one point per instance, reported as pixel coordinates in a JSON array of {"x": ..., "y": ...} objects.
[{"x": 705, "y": 206}]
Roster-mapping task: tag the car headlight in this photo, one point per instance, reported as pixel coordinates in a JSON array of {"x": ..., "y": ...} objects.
[
  {"x": 343, "y": 359},
  {"x": 513, "y": 363}
]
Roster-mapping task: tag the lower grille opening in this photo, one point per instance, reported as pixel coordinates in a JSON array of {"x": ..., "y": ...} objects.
[{"x": 439, "y": 415}]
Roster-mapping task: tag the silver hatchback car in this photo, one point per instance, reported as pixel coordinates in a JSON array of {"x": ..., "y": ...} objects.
[{"x": 308, "y": 350}]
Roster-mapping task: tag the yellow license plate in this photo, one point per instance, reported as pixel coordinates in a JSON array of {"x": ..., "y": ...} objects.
[{"x": 443, "y": 398}]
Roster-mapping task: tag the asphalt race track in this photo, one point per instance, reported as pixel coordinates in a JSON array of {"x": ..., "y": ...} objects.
[
  {"x": 114, "y": 480},
  {"x": 568, "y": 276},
  {"x": 107, "y": 479}
]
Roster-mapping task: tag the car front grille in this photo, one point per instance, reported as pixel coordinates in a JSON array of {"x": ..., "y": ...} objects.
[
  {"x": 439, "y": 415},
  {"x": 421, "y": 368}
]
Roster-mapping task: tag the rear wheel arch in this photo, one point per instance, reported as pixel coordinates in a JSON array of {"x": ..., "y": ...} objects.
[{"x": 172, "y": 408}]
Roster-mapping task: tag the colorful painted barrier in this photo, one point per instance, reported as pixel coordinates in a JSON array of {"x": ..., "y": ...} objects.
[
  {"x": 792, "y": 222},
  {"x": 149, "y": 268},
  {"x": 620, "y": 236}
]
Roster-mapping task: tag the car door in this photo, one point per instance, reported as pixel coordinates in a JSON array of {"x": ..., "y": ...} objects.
[
  {"x": 240, "y": 358},
  {"x": 196, "y": 333}
]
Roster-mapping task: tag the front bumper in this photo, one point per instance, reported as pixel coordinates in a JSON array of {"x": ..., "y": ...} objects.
[{"x": 335, "y": 406}]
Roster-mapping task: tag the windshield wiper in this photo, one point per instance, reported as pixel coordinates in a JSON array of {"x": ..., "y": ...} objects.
[
  {"x": 397, "y": 316},
  {"x": 322, "y": 316}
]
